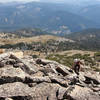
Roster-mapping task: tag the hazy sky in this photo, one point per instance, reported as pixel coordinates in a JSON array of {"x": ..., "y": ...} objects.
[
  {"x": 16, "y": 0},
  {"x": 40, "y": 0},
  {"x": 50, "y": 0}
]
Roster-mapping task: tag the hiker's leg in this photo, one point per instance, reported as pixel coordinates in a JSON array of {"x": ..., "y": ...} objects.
[
  {"x": 78, "y": 69},
  {"x": 75, "y": 68}
]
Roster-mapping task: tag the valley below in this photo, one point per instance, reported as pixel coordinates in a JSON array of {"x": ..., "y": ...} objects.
[
  {"x": 60, "y": 49},
  {"x": 40, "y": 66}
]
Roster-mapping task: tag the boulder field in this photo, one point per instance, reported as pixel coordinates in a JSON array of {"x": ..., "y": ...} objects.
[{"x": 38, "y": 79}]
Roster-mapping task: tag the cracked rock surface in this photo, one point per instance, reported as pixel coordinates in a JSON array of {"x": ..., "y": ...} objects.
[{"x": 39, "y": 79}]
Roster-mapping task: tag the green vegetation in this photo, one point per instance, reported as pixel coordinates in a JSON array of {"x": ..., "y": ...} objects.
[
  {"x": 34, "y": 56},
  {"x": 96, "y": 69},
  {"x": 49, "y": 46},
  {"x": 63, "y": 59},
  {"x": 97, "y": 56},
  {"x": 68, "y": 60},
  {"x": 87, "y": 39}
]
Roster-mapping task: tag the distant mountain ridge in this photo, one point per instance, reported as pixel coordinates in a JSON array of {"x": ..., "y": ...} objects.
[
  {"x": 83, "y": 40},
  {"x": 86, "y": 33},
  {"x": 50, "y": 17},
  {"x": 91, "y": 12}
]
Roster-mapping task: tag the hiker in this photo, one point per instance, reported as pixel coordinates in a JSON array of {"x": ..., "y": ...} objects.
[{"x": 77, "y": 66}]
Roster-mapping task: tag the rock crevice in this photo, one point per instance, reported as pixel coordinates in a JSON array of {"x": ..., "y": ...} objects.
[{"x": 37, "y": 79}]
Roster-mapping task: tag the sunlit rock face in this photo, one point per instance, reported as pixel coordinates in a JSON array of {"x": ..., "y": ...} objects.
[{"x": 38, "y": 79}]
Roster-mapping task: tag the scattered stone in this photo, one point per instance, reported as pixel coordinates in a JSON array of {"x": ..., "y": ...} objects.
[
  {"x": 83, "y": 93},
  {"x": 14, "y": 89},
  {"x": 18, "y": 65},
  {"x": 8, "y": 99},
  {"x": 11, "y": 62},
  {"x": 1, "y": 64},
  {"x": 92, "y": 77},
  {"x": 39, "y": 61},
  {"x": 27, "y": 79},
  {"x": 61, "y": 93},
  {"x": 62, "y": 71}
]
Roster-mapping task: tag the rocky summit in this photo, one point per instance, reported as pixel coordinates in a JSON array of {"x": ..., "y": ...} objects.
[{"x": 38, "y": 79}]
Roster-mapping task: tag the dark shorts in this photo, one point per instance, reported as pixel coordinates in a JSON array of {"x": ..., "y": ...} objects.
[{"x": 77, "y": 69}]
